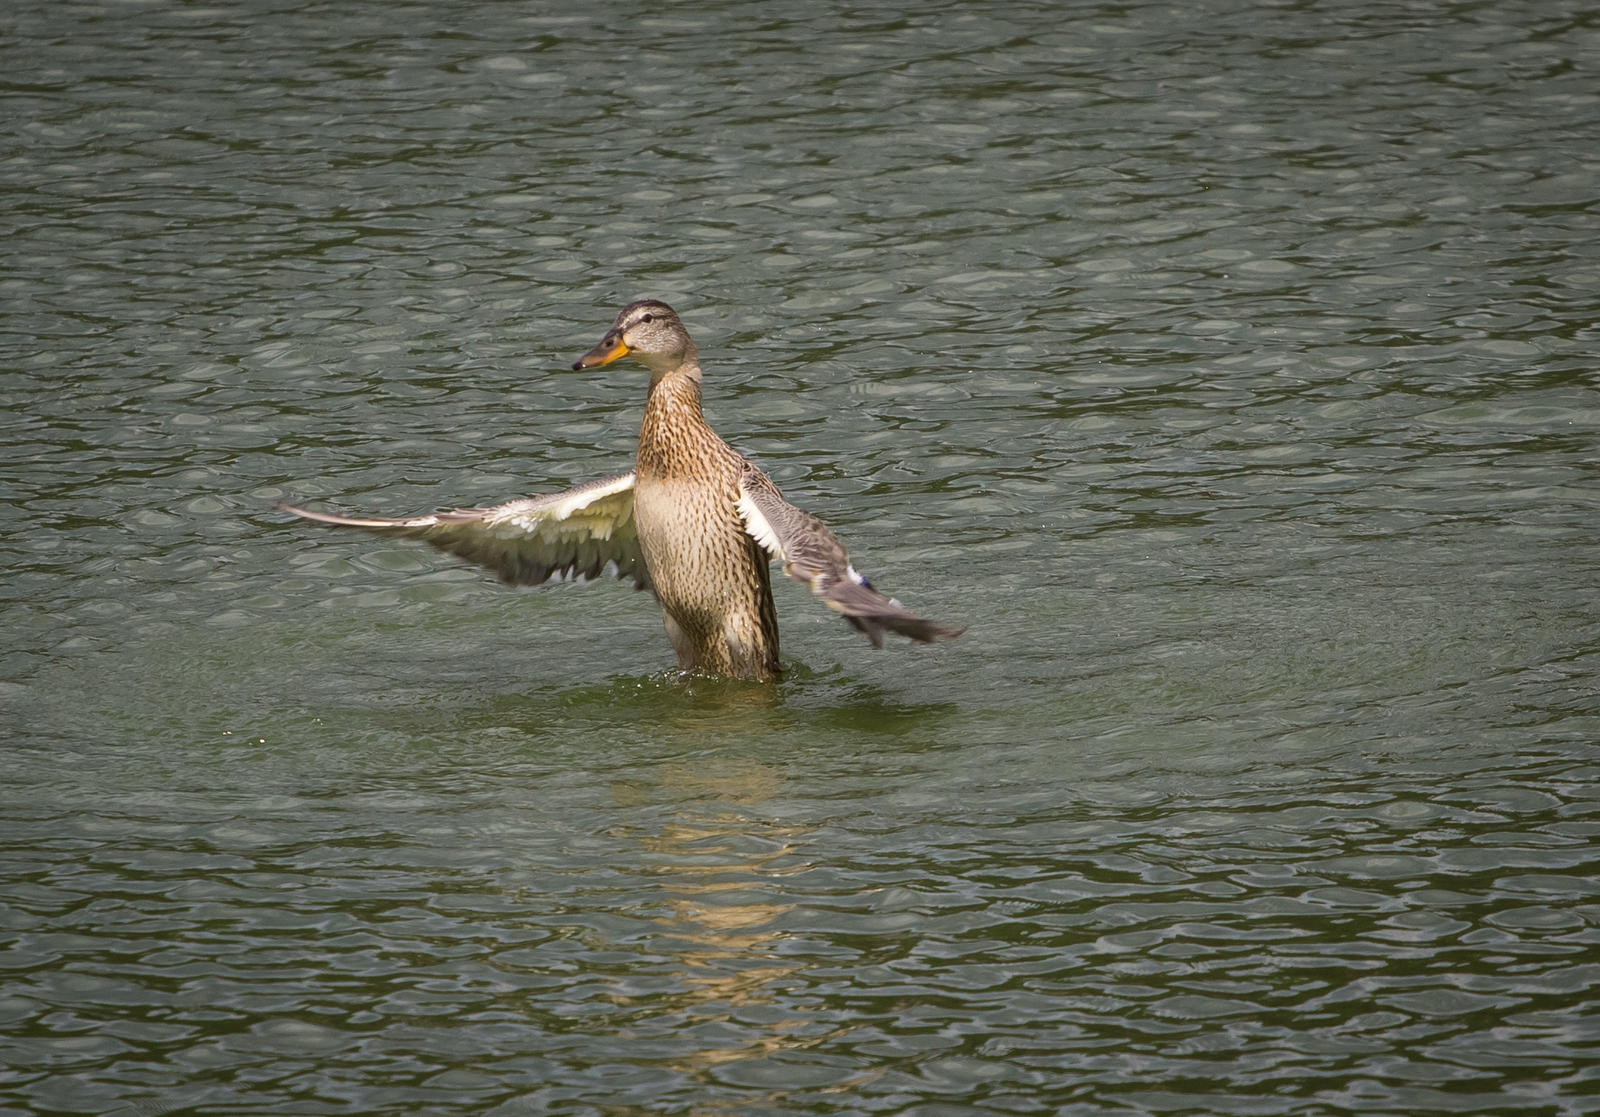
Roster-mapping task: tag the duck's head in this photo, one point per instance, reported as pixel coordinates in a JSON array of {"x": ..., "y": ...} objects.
[{"x": 651, "y": 333}]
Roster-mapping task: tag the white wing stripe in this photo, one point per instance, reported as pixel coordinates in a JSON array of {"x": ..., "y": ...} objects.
[
  {"x": 760, "y": 530},
  {"x": 525, "y": 513}
]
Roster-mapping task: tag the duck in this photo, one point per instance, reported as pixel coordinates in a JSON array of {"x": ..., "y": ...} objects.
[{"x": 695, "y": 523}]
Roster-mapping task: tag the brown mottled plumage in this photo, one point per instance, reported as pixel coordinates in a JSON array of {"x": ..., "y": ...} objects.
[{"x": 695, "y": 522}]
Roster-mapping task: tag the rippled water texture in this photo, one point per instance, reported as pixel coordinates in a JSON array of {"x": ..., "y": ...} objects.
[{"x": 1229, "y": 368}]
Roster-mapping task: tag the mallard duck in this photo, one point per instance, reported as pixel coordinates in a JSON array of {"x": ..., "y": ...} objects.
[{"x": 695, "y": 522}]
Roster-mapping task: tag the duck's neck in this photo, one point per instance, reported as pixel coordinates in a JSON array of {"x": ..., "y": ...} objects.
[
  {"x": 675, "y": 440},
  {"x": 663, "y": 365}
]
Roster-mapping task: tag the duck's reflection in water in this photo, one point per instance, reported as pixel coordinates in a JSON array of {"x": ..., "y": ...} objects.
[{"x": 721, "y": 919}]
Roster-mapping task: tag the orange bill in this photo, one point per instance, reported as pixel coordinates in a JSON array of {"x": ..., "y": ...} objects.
[{"x": 609, "y": 349}]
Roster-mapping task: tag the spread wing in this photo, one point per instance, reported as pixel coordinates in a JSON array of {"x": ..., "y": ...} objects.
[
  {"x": 812, "y": 554},
  {"x": 574, "y": 534}
]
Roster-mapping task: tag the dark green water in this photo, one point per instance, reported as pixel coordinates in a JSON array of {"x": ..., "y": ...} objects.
[{"x": 1230, "y": 369}]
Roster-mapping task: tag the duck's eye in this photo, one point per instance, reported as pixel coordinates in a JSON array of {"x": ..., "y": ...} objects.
[{"x": 648, "y": 318}]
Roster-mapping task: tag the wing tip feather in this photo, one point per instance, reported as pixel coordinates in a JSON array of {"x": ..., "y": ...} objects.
[{"x": 352, "y": 521}]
